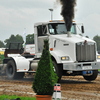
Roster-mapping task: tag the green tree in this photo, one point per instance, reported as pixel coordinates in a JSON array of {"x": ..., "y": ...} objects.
[
  {"x": 97, "y": 40},
  {"x": 1, "y": 44},
  {"x": 14, "y": 39},
  {"x": 45, "y": 77},
  {"x": 30, "y": 39},
  {"x": 19, "y": 38},
  {"x": 11, "y": 39}
]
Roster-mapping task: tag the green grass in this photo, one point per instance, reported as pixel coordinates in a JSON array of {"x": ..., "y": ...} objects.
[
  {"x": 2, "y": 57},
  {"x": 7, "y": 97}
]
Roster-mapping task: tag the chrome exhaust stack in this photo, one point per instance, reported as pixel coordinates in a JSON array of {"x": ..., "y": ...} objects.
[{"x": 68, "y": 34}]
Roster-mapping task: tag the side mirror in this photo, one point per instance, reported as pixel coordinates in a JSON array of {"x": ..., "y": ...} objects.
[{"x": 82, "y": 29}]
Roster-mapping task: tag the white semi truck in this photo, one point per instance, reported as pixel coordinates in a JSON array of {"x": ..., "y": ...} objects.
[{"x": 71, "y": 53}]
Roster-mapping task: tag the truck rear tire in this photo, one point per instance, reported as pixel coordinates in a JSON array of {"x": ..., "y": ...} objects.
[
  {"x": 11, "y": 71},
  {"x": 91, "y": 77},
  {"x": 58, "y": 70}
]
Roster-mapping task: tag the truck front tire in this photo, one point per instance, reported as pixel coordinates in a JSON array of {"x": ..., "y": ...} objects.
[
  {"x": 58, "y": 70},
  {"x": 11, "y": 71},
  {"x": 91, "y": 77}
]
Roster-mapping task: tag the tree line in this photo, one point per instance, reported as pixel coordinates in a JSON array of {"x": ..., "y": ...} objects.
[
  {"x": 30, "y": 40},
  {"x": 97, "y": 40},
  {"x": 17, "y": 39}
]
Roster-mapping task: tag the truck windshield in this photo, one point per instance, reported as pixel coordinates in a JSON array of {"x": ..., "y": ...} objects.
[{"x": 60, "y": 28}]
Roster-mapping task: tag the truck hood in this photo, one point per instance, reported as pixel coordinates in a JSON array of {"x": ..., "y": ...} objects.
[{"x": 72, "y": 39}]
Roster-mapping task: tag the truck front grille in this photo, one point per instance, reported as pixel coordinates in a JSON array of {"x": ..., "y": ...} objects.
[{"x": 85, "y": 51}]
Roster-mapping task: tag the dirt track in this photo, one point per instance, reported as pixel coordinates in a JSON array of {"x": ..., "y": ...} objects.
[{"x": 72, "y": 88}]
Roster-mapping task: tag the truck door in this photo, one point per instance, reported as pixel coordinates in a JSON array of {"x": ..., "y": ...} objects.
[{"x": 42, "y": 34}]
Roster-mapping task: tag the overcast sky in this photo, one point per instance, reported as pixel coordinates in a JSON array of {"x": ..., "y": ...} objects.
[{"x": 15, "y": 15}]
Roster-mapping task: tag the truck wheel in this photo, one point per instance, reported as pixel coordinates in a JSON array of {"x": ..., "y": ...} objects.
[
  {"x": 91, "y": 77},
  {"x": 11, "y": 71},
  {"x": 58, "y": 70}
]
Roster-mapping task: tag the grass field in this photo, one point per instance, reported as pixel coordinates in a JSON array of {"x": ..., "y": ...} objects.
[
  {"x": 98, "y": 69},
  {"x": 1, "y": 57},
  {"x": 7, "y": 97}
]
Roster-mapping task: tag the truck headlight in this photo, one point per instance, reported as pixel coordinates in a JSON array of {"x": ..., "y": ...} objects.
[
  {"x": 65, "y": 58},
  {"x": 98, "y": 56}
]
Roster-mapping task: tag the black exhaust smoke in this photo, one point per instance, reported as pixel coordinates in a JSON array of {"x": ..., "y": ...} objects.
[{"x": 68, "y": 12}]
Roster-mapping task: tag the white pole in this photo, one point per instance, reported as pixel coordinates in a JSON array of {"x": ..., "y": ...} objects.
[
  {"x": 51, "y": 13},
  {"x": 24, "y": 37}
]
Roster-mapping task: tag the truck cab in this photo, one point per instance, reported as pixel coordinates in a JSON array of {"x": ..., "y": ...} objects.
[{"x": 71, "y": 54}]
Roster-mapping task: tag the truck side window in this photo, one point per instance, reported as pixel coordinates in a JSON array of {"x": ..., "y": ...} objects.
[
  {"x": 51, "y": 29},
  {"x": 42, "y": 30},
  {"x": 39, "y": 29},
  {"x": 73, "y": 31}
]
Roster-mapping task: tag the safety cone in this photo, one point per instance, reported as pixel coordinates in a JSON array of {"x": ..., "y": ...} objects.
[{"x": 57, "y": 92}]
